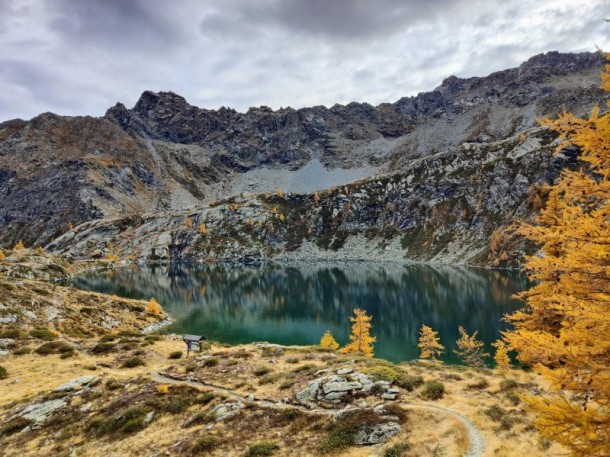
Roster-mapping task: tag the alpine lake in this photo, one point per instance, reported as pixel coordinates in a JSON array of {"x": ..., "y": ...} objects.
[{"x": 295, "y": 304}]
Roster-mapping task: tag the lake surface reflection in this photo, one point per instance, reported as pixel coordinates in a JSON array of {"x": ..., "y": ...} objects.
[{"x": 296, "y": 304}]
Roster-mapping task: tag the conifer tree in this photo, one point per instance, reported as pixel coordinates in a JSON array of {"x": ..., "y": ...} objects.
[
  {"x": 328, "y": 341},
  {"x": 18, "y": 247},
  {"x": 564, "y": 332},
  {"x": 429, "y": 343},
  {"x": 470, "y": 350},
  {"x": 202, "y": 228},
  {"x": 361, "y": 339},
  {"x": 501, "y": 356},
  {"x": 153, "y": 307}
]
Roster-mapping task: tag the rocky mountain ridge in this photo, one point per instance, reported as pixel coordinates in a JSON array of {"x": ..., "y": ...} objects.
[{"x": 454, "y": 165}]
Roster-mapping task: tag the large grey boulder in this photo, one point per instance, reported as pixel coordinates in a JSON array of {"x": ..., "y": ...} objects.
[
  {"x": 376, "y": 434},
  {"x": 340, "y": 386},
  {"x": 225, "y": 411},
  {"x": 38, "y": 413},
  {"x": 344, "y": 386},
  {"x": 309, "y": 393},
  {"x": 76, "y": 384}
]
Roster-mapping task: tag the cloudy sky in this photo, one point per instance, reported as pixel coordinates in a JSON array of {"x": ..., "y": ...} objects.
[{"x": 82, "y": 56}]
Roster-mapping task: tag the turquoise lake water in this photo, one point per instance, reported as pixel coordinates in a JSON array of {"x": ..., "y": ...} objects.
[{"x": 297, "y": 304}]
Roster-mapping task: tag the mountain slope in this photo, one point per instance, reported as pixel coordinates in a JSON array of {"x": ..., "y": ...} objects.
[{"x": 166, "y": 155}]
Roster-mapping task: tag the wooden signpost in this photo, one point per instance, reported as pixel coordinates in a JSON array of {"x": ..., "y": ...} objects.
[{"x": 192, "y": 342}]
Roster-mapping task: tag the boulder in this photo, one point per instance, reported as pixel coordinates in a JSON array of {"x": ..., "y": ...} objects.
[
  {"x": 309, "y": 394},
  {"x": 38, "y": 413},
  {"x": 340, "y": 386},
  {"x": 76, "y": 384},
  {"x": 377, "y": 433},
  {"x": 225, "y": 411}
]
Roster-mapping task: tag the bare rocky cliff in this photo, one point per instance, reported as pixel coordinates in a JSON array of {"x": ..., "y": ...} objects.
[{"x": 437, "y": 173}]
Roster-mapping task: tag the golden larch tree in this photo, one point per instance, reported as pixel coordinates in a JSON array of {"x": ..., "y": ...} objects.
[
  {"x": 470, "y": 350},
  {"x": 202, "y": 229},
  {"x": 430, "y": 345},
  {"x": 188, "y": 222},
  {"x": 564, "y": 331},
  {"x": 153, "y": 307},
  {"x": 501, "y": 356},
  {"x": 328, "y": 341},
  {"x": 18, "y": 247},
  {"x": 361, "y": 339}
]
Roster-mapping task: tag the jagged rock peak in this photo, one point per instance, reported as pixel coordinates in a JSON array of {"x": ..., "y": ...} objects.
[
  {"x": 152, "y": 100},
  {"x": 563, "y": 61},
  {"x": 535, "y": 69}
]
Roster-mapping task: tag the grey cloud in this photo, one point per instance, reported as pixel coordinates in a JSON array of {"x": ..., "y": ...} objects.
[
  {"x": 142, "y": 25},
  {"x": 338, "y": 19},
  {"x": 82, "y": 56}
]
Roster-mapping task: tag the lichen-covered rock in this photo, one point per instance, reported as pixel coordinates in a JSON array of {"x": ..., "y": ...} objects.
[
  {"x": 376, "y": 434},
  {"x": 76, "y": 384},
  {"x": 38, "y": 413},
  {"x": 225, "y": 411},
  {"x": 343, "y": 388}
]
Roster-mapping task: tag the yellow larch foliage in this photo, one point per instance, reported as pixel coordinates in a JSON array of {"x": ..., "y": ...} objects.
[
  {"x": 470, "y": 350},
  {"x": 153, "y": 307},
  {"x": 188, "y": 222},
  {"x": 564, "y": 332},
  {"x": 163, "y": 389},
  {"x": 202, "y": 228},
  {"x": 2, "y": 255},
  {"x": 18, "y": 247},
  {"x": 274, "y": 210},
  {"x": 501, "y": 356},
  {"x": 495, "y": 240},
  {"x": 316, "y": 198},
  {"x": 111, "y": 255},
  {"x": 70, "y": 226},
  {"x": 430, "y": 345},
  {"x": 279, "y": 193},
  {"x": 328, "y": 341},
  {"x": 281, "y": 217},
  {"x": 361, "y": 339}
]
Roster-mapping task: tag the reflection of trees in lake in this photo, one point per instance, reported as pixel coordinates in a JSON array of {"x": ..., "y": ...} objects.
[{"x": 271, "y": 298}]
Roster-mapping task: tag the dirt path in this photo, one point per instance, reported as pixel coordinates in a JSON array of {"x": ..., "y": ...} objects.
[{"x": 476, "y": 442}]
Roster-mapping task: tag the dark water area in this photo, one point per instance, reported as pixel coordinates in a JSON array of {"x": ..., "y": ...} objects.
[{"x": 295, "y": 305}]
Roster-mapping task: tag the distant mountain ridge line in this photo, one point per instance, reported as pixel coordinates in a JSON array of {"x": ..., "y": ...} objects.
[{"x": 165, "y": 155}]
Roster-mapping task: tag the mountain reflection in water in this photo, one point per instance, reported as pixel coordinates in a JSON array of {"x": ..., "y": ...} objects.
[{"x": 296, "y": 304}]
